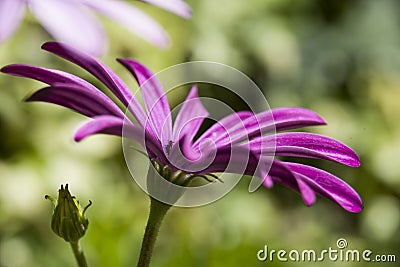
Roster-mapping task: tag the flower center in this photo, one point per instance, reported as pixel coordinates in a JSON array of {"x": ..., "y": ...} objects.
[
  {"x": 168, "y": 147},
  {"x": 180, "y": 177}
]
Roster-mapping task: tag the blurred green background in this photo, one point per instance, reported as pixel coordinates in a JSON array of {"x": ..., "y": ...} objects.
[{"x": 339, "y": 58}]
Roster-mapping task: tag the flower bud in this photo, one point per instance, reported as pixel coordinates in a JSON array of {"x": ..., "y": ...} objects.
[{"x": 68, "y": 220}]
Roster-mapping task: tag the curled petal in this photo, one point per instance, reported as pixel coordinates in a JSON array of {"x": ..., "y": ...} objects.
[
  {"x": 280, "y": 173},
  {"x": 328, "y": 186},
  {"x": 262, "y": 169},
  {"x": 103, "y": 73},
  {"x": 266, "y": 179}
]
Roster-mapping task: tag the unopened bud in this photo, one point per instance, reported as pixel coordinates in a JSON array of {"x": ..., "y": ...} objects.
[{"x": 68, "y": 220}]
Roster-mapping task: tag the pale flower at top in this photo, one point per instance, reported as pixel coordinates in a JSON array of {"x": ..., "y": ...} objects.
[{"x": 73, "y": 21}]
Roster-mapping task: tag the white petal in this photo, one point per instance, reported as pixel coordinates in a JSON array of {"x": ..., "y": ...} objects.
[
  {"x": 132, "y": 18},
  {"x": 11, "y": 13},
  {"x": 67, "y": 21},
  {"x": 178, "y": 7}
]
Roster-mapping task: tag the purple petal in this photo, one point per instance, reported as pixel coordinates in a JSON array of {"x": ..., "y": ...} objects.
[
  {"x": 266, "y": 179},
  {"x": 103, "y": 73},
  {"x": 261, "y": 169},
  {"x": 104, "y": 124},
  {"x": 178, "y": 7},
  {"x": 329, "y": 186},
  {"x": 279, "y": 119},
  {"x": 308, "y": 145},
  {"x": 222, "y": 128},
  {"x": 306, "y": 192},
  {"x": 11, "y": 14},
  {"x": 232, "y": 159},
  {"x": 56, "y": 77},
  {"x": 190, "y": 117},
  {"x": 107, "y": 124},
  {"x": 75, "y": 98},
  {"x": 266, "y": 122},
  {"x": 210, "y": 158},
  {"x": 294, "y": 117},
  {"x": 155, "y": 99},
  {"x": 280, "y": 173},
  {"x": 133, "y": 19},
  {"x": 69, "y": 22}
]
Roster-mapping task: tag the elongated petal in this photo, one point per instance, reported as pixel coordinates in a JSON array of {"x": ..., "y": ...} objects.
[
  {"x": 68, "y": 22},
  {"x": 277, "y": 119},
  {"x": 221, "y": 128},
  {"x": 103, "y": 73},
  {"x": 56, "y": 77},
  {"x": 104, "y": 124},
  {"x": 267, "y": 122},
  {"x": 133, "y": 19},
  {"x": 231, "y": 159},
  {"x": 112, "y": 125},
  {"x": 294, "y": 117},
  {"x": 178, "y": 7},
  {"x": 49, "y": 76},
  {"x": 308, "y": 145},
  {"x": 11, "y": 14},
  {"x": 306, "y": 192},
  {"x": 75, "y": 98},
  {"x": 282, "y": 174},
  {"x": 328, "y": 186},
  {"x": 155, "y": 99},
  {"x": 260, "y": 168},
  {"x": 190, "y": 117}
]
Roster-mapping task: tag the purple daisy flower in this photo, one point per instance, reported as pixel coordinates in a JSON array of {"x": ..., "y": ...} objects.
[
  {"x": 69, "y": 20},
  {"x": 232, "y": 137}
]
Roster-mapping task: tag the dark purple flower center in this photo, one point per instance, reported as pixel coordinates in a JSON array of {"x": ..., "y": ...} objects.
[{"x": 168, "y": 147}]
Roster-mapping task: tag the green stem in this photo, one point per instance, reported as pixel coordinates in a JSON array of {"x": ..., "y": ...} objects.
[
  {"x": 79, "y": 255},
  {"x": 156, "y": 216}
]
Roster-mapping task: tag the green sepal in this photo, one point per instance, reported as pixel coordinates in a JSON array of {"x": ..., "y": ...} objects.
[{"x": 68, "y": 220}]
